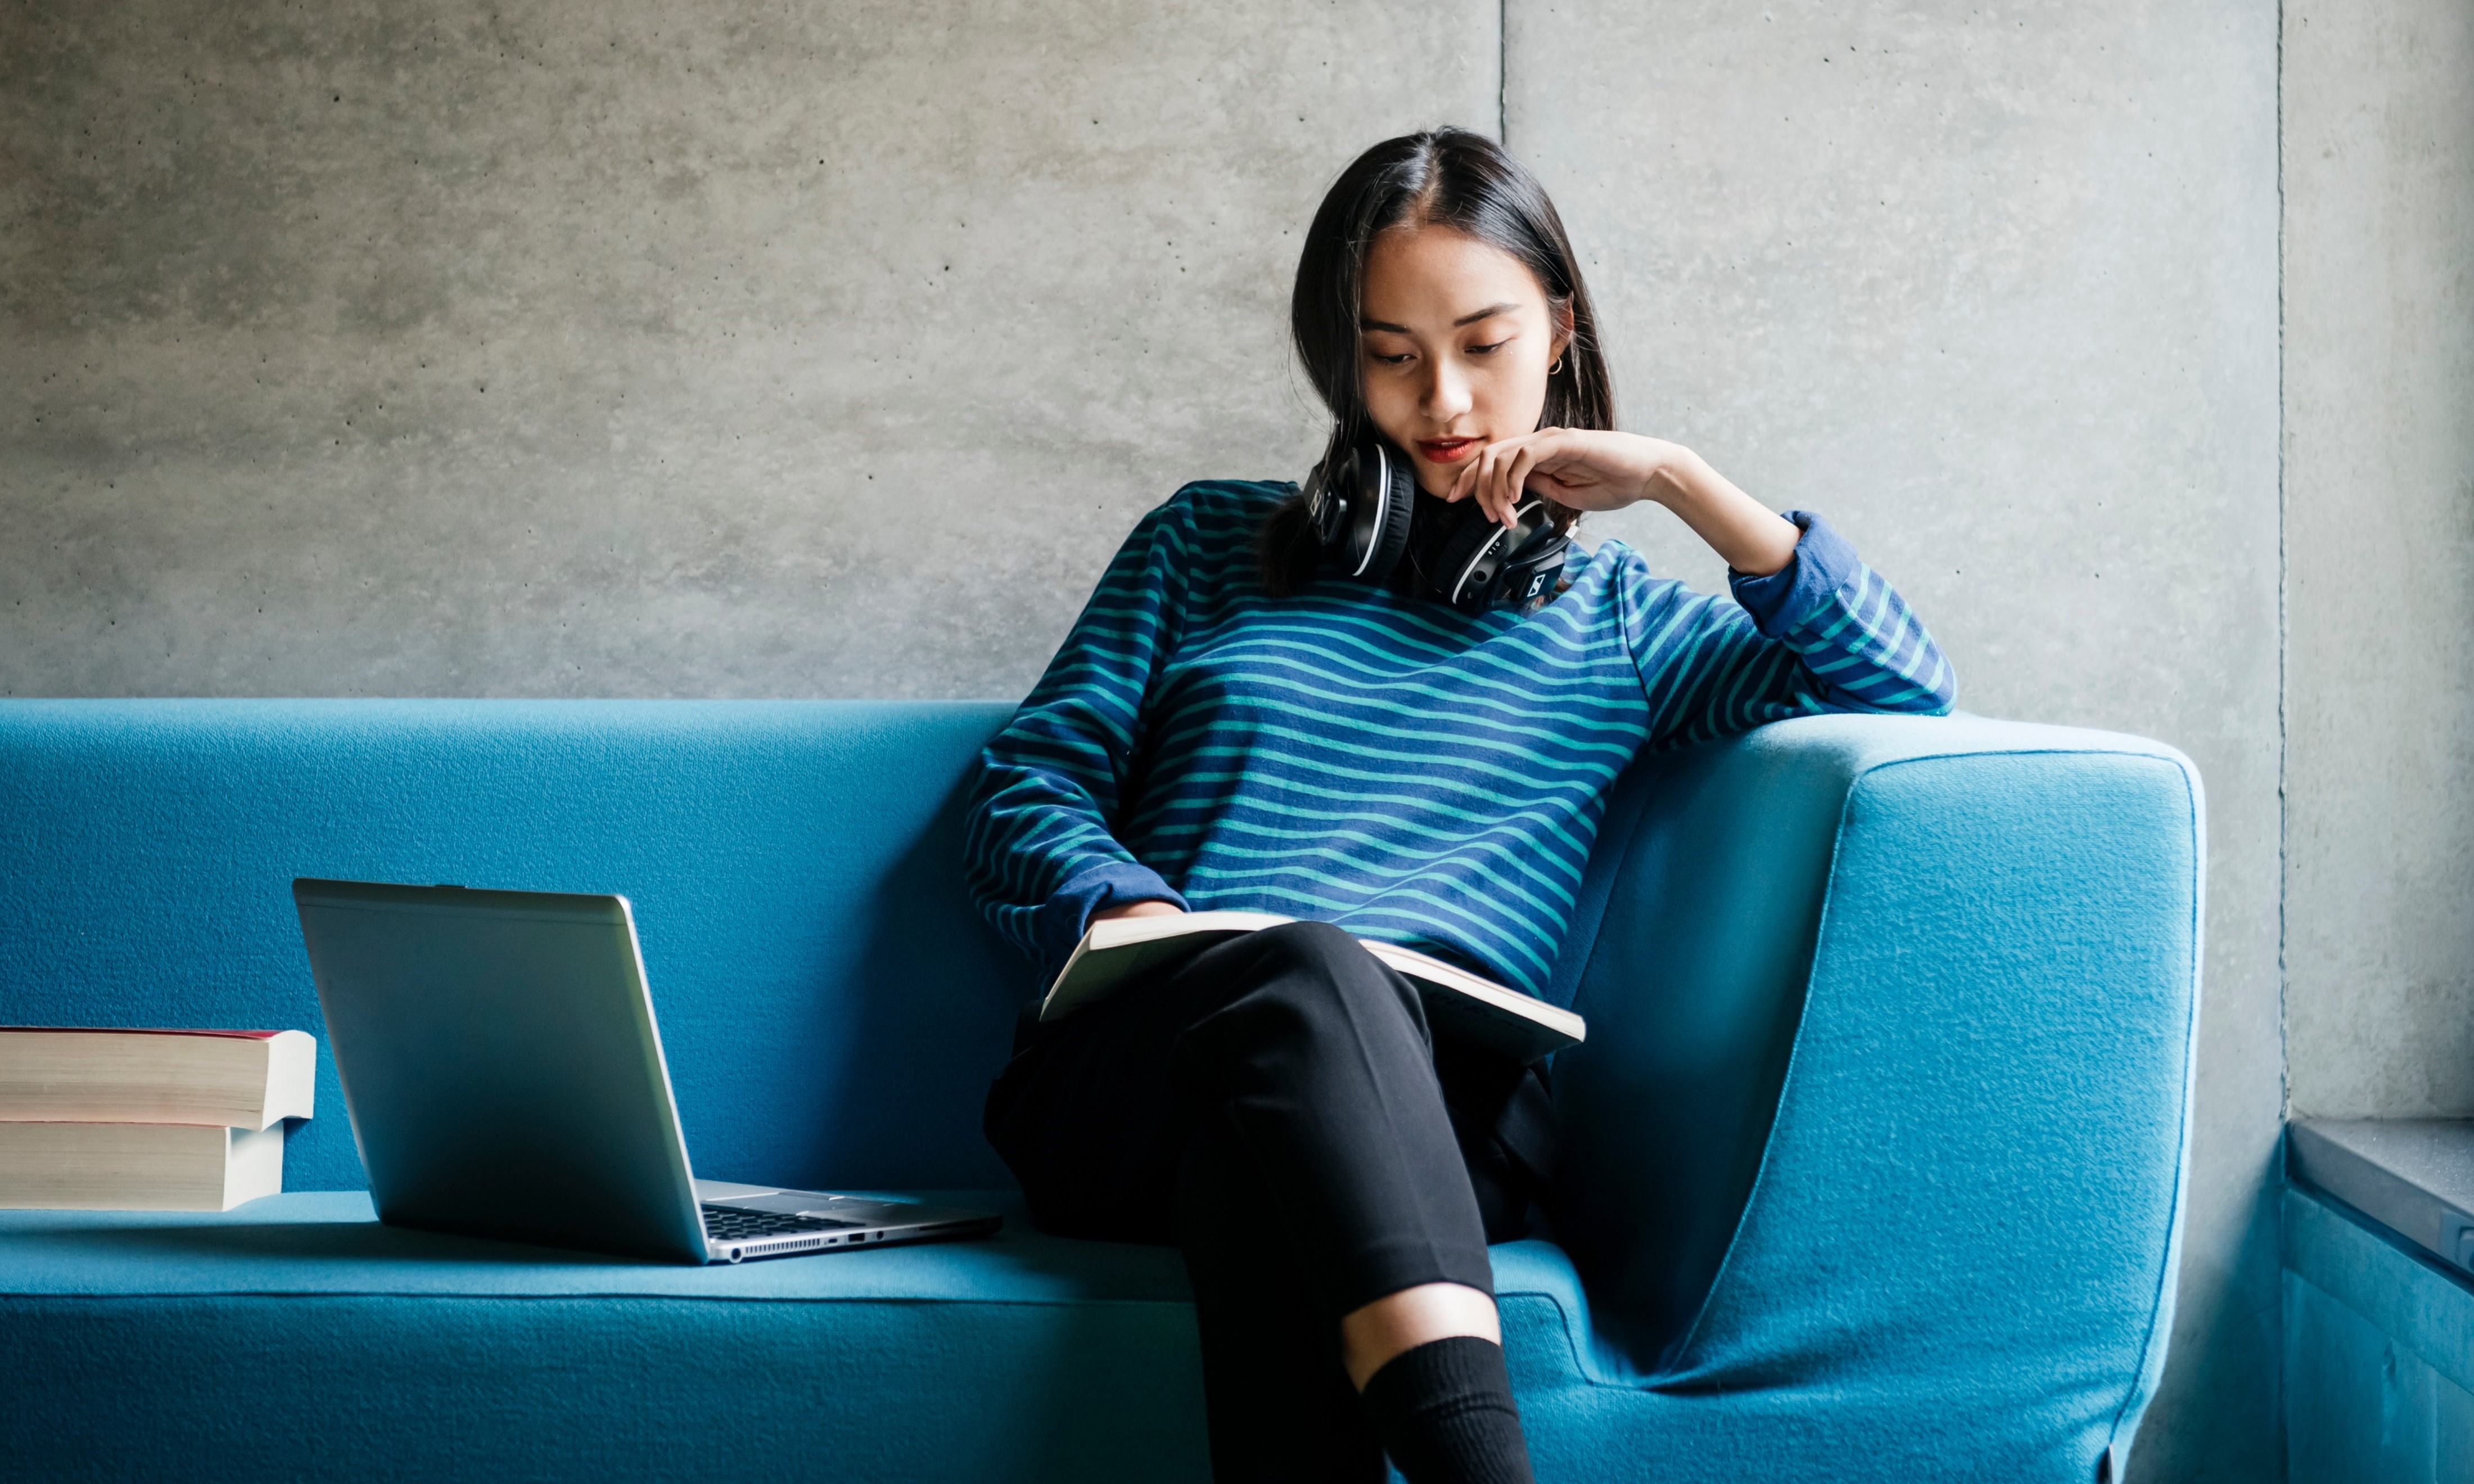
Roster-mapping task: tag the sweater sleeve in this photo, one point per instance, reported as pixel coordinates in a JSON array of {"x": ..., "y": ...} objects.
[
  {"x": 1826, "y": 632},
  {"x": 1040, "y": 850}
]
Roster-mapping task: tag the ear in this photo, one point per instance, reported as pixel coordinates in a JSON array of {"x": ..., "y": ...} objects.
[{"x": 1559, "y": 313}]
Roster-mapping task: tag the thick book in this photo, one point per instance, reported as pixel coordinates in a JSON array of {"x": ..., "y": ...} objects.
[
  {"x": 225, "y": 1079},
  {"x": 1458, "y": 1003},
  {"x": 138, "y": 1166}
]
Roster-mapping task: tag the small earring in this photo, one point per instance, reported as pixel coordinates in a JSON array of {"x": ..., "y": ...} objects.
[{"x": 1557, "y": 366}]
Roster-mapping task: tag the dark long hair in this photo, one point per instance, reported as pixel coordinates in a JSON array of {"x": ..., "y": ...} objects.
[{"x": 1445, "y": 177}]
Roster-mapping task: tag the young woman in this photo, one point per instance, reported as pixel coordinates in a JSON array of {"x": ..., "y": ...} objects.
[{"x": 1277, "y": 701}]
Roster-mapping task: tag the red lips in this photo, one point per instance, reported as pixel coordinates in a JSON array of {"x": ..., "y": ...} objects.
[{"x": 1448, "y": 450}]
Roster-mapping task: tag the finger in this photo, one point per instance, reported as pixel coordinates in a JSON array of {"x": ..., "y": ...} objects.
[
  {"x": 1516, "y": 479},
  {"x": 1516, "y": 487},
  {"x": 1498, "y": 459},
  {"x": 1498, "y": 485},
  {"x": 1483, "y": 478},
  {"x": 1548, "y": 456},
  {"x": 1521, "y": 468}
]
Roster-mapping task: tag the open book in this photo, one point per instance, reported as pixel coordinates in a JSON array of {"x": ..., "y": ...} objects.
[{"x": 1458, "y": 1002}]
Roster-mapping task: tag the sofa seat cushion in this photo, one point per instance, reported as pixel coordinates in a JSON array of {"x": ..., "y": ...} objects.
[
  {"x": 331, "y": 1242},
  {"x": 299, "y": 1325}
]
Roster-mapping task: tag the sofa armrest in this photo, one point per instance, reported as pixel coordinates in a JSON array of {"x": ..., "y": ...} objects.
[{"x": 1888, "y": 1073}]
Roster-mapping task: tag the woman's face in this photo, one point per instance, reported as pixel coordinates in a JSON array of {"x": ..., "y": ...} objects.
[{"x": 1455, "y": 338}]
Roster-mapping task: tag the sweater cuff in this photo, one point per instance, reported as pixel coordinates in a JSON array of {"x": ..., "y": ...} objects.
[
  {"x": 1822, "y": 565},
  {"x": 1066, "y": 915}
]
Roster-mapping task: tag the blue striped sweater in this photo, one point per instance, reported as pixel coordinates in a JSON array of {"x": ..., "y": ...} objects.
[{"x": 1383, "y": 761}]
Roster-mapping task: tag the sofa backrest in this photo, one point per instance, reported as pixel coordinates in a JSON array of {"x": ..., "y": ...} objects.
[{"x": 831, "y": 1006}]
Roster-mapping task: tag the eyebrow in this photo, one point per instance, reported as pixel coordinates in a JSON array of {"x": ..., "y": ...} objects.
[{"x": 1487, "y": 313}]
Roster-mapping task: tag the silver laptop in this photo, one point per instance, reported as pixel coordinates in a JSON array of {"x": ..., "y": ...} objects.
[{"x": 505, "y": 1078}]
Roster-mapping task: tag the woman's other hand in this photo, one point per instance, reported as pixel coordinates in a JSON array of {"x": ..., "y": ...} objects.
[
  {"x": 1573, "y": 467},
  {"x": 1138, "y": 909},
  {"x": 1594, "y": 471}
]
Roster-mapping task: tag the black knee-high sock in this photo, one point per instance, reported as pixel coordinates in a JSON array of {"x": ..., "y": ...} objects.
[{"x": 1444, "y": 1413}]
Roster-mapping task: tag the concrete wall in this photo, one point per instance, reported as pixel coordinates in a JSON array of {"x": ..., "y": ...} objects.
[
  {"x": 724, "y": 350},
  {"x": 639, "y": 348},
  {"x": 2379, "y": 479}
]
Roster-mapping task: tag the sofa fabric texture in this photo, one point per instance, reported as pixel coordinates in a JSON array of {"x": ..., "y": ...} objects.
[{"x": 1876, "y": 1143}]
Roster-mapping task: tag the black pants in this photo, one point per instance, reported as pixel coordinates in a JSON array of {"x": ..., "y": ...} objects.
[{"x": 1275, "y": 1106}]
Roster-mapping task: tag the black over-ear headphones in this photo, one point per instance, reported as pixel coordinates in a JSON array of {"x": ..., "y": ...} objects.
[{"x": 1362, "y": 514}]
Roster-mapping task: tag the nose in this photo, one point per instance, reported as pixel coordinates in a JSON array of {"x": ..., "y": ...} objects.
[{"x": 1446, "y": 392}]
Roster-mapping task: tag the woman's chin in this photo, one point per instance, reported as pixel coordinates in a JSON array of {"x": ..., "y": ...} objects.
[{"x": 1436, "y": 479}]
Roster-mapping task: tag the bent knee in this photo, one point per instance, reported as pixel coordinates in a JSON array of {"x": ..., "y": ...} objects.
[
  {"x": 1312, "y": 947},
  {"x": 1324, "y": 960},
  {"x": 1308, "y": 939}
]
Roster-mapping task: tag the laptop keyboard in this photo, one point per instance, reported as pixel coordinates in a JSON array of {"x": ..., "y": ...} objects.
[{"x": 731, "y": 1224}]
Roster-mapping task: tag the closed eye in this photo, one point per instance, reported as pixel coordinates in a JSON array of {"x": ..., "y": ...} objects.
[{"x": 1490, "y": 349}]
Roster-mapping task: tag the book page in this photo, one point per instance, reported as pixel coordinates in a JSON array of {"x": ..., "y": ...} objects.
[
  {"x": 1116, "y": 932},
  {"x": 1115, "y": 950},
  {"x": 1462, "y": 1003},
  {"x": 1519, "y": 1025}
]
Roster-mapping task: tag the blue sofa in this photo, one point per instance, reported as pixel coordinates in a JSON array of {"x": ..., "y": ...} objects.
[{"x": 1877, "y": 1142}]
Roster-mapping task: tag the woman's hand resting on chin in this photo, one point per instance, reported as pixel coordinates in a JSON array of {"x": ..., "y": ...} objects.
[{"x": 1586, "y": 469}]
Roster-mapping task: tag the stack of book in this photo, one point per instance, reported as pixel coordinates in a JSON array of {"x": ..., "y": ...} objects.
[{"x": 147, "y": 1120}]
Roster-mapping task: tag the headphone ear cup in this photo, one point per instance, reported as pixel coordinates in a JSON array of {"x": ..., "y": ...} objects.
[
  {"x": 1468, "y": 571},
  {"x": 1362, "y": 514},
  {"x": 1451, "y": 578},
  {"x": 1524, "y": 580},
  {"x": 1392, "y": 541}
]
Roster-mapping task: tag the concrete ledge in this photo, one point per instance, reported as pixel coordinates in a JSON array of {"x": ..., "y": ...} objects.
[
  {"x": 2398, "y": 1288},
  {"x": 2413, "y": 1176},
  {"x": 2379, "y": 1351}
]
